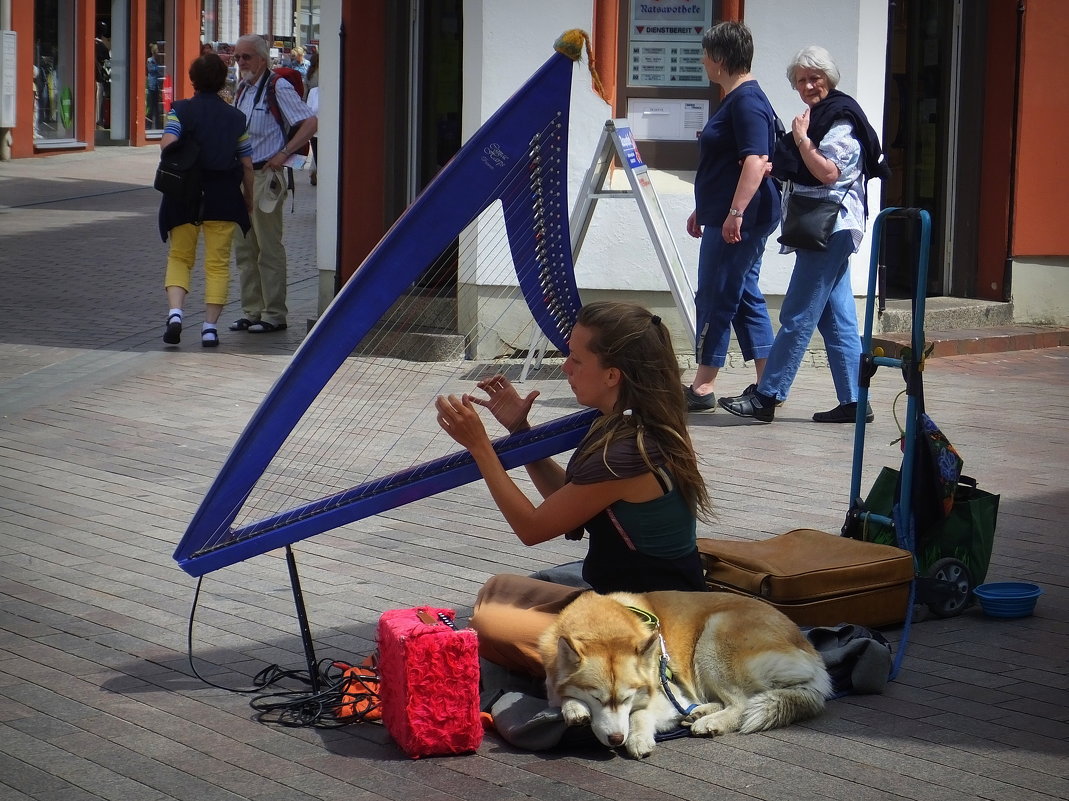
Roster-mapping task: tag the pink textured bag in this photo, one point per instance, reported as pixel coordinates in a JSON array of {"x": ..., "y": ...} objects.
[{"x": 430, "y": 682}]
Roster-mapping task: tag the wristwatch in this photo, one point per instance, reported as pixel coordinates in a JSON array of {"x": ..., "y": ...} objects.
[{"x": 735, "y": 212}]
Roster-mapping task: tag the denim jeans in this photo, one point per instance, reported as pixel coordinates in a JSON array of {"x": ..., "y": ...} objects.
[
  {"x": 818, "y": 297},
  {"x": 728, "y": 297}
]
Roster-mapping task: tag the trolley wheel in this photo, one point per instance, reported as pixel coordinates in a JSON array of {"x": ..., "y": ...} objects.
[{"x": 952, "y": 587}]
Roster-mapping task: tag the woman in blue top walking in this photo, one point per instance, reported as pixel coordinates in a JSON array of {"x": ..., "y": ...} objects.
[{"x": 737, "y": 206}]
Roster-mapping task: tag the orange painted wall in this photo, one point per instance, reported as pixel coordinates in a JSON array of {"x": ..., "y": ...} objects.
[
  {"x": 22, "y": 138},
  {"x": 361, "y": 160},
  {"x": 85, "y": 79},
  {"x": 1040, "y": 222},
  {"x": 138, "y": 55}
]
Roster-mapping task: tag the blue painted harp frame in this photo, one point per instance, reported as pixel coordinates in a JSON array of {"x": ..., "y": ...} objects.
[{"x": 529, "y": 133}]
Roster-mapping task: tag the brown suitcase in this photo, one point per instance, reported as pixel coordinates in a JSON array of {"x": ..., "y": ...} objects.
[{"x": 815, "y": 578}]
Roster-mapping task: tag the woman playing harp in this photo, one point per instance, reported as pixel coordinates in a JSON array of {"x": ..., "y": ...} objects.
[{"x": 633, "y": 483}]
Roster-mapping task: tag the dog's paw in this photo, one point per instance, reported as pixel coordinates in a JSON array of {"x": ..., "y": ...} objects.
[
  {"x": 575, "y": 713},
  {"x": 719, "y": 722},
  {"x": 640, "y": 745},
  {"x": 700, "y": 712}
]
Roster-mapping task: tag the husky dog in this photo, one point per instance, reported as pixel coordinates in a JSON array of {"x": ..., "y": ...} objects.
[{"x": 730, "y": 663}]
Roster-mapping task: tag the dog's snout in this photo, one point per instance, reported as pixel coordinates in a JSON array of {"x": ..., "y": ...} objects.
[{"x": 616, "y": 739}]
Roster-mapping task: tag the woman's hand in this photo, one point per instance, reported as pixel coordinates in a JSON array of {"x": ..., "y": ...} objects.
[
  {"x": 504, "y": 403},
  {"x": 800, "y": 126},
  {"x": 693, "y": 228},
  {"x": 458, "y": 419},
  {"x": 754, "y": 169},
  {"x": 821, "y": 167}
]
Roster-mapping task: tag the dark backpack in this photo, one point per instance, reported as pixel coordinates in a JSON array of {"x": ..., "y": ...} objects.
[
  {"x": 178, "y": 175},
  {"x": 294, "y": 77}
]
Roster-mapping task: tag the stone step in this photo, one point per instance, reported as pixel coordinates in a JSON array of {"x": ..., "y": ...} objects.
[
  {"x": 946, "y": 314},
  {"x": 414, "y": 344},
  {"x": 966, "y": 341}
]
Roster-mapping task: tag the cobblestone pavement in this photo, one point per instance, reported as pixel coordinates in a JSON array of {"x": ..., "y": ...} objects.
[{"x": 108, "y": 443}]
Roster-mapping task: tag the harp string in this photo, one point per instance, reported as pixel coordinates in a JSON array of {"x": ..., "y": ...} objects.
[{"x": 316, "y": 459}]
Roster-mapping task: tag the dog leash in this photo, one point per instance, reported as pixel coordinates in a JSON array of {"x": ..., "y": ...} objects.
[{"x": 664, "y": 671}]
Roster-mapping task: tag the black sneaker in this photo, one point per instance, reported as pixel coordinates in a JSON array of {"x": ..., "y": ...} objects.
[
  {"x": 843, "y": 413},
  {"x": 699, "y": 403},
  {"x": 749, "y": 404}
]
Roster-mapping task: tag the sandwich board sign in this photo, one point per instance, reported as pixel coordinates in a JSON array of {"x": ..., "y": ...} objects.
[{"x": 618, "y": 143}]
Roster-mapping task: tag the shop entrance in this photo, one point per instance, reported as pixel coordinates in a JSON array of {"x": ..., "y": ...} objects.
[
  {"x": 934, "y": 109},
  {"x": 423, "y": 126}
]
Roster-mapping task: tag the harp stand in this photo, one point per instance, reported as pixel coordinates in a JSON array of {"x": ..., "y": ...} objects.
[
  {"x": 617, "y": 144},
  {"x": 302, "y": 621}
]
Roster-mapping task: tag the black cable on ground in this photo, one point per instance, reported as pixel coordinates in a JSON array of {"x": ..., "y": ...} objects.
[{"x": 350, "y": 693}]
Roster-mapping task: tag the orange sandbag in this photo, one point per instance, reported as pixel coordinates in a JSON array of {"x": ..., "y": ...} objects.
[{"x": 360, "y": 691}]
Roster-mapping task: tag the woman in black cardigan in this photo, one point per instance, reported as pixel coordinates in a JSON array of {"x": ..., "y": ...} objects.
[
  {"x": 831, "y": 153},
  {"x": 224, "y": 202}
]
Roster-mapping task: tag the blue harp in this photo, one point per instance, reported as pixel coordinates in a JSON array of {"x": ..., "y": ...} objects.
[{"x": 513, "y": 174}]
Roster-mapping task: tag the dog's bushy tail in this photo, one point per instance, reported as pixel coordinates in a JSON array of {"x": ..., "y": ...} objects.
[
  {"x": 796, "y": 690},
  {"x": 772, "y": 709}
]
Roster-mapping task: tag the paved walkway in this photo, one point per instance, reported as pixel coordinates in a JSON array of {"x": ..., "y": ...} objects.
[{"x": 108, "y": 443}]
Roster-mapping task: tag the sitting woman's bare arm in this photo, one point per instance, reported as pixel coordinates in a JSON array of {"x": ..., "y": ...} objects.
[{"x": 565, "y": 509}]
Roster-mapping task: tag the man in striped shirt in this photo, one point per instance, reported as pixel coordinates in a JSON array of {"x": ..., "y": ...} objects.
[{"x": 261, "y": 256}]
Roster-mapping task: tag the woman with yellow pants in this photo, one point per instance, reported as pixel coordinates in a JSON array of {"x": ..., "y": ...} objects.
[{"x": 226, "y": 197}]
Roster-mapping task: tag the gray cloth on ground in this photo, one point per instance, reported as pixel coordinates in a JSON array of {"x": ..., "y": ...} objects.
[{"x": 858, "y": 659}]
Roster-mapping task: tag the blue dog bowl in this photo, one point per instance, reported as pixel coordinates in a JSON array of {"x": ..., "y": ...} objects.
[{"x": 1008, "y": 598}]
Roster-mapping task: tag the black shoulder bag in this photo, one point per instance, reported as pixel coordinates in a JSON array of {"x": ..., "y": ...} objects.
[
  {"x": 808, "y": 221},
  {"x": 178, "y": 174}
]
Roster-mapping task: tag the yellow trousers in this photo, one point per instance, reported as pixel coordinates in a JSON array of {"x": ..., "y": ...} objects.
[{"x": 218, "y": 241}]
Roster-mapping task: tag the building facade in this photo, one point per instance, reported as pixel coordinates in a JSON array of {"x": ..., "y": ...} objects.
[
  {"x": 89, "y": 73},
  {"x": 967, "y": 94},
  {"x": 963, "y": 92}
]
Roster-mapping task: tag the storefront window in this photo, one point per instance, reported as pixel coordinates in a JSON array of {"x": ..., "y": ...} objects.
[
  {"x": 159, "y": 64},
  {"x": 54, "y": 55},
  {"x": 222, "y": 21},
  {"x": 308, "y": 23}
]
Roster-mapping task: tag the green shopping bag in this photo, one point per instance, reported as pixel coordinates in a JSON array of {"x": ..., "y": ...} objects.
[{"x": 966, "y": 534}]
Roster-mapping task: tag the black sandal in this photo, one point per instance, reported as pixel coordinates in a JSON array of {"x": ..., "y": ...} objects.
[
  {"x": 173, "y": 334},
  {"x": 264, "y": 327},
  {"x": 209, "y": 338},
  {"x": 241, "y": 325}
]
